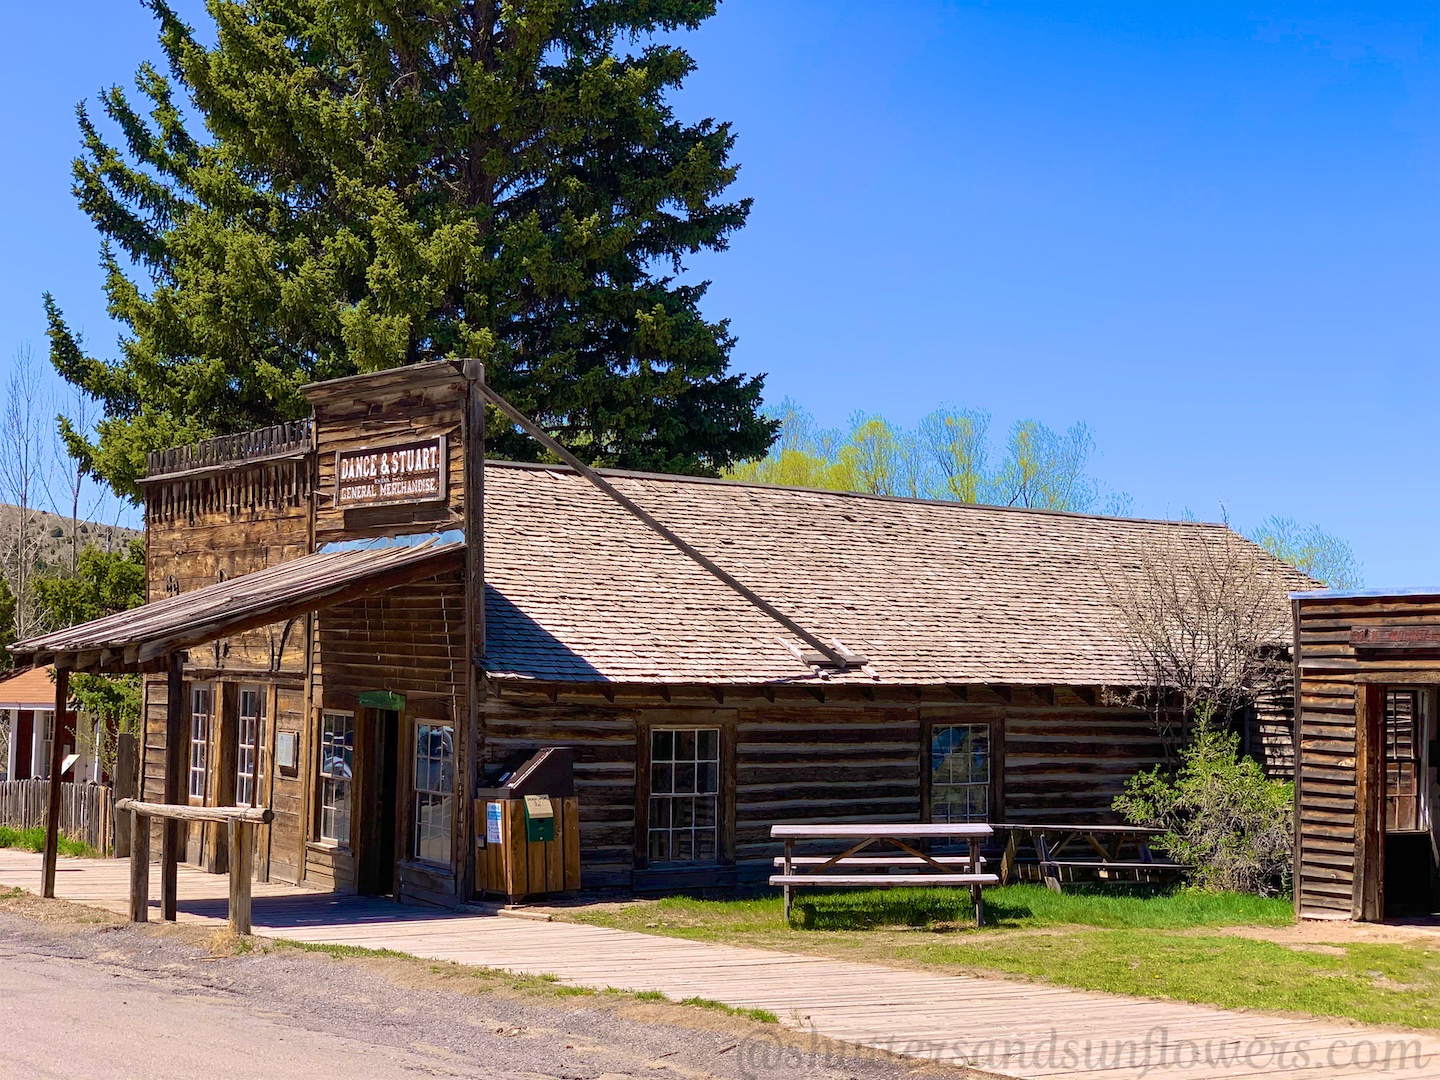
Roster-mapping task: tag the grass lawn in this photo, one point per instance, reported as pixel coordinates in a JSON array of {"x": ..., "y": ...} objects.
[
  {"x": 1184, "y": 945},
  {"x": 34, "y": 840}
]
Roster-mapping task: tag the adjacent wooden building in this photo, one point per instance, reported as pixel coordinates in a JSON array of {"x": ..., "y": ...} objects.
[
  {"x": 1368, "y": 668},
  {"x": 359, "y": 622}
]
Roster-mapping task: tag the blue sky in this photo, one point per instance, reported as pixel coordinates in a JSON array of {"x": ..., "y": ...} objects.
[{"x": 1210, "y": 232}]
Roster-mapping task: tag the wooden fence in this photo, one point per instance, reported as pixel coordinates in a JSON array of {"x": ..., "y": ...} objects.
[{"x": 87, "y": 811}]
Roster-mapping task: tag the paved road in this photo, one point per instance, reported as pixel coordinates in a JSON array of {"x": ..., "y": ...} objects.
[{"x": 114, "y": 1002}]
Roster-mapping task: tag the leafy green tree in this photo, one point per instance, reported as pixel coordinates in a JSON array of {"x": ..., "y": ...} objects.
[
  {"x": 947, "y": 456},
  {"x": 379, "y": 183},
  {"x": 105, "y": 583},
  {"x": 957, "y": 443},
  {"x": 1310, "y": 548}
]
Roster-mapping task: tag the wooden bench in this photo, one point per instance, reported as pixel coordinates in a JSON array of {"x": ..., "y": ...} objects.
[{"x": 799, "y": 871}]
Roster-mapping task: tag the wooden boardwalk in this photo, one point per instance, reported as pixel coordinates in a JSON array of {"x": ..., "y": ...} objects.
[{"x": 1006, "y": 1028}]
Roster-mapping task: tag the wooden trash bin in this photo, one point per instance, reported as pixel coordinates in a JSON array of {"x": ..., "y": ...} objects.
[{"x": 517, "y": 867}]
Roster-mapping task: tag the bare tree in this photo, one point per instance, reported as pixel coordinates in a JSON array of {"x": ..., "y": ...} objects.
[
  {"x": 67, "y": 485},
  {"x": 1207, "y": 625},
  {"x": 24, "y": 462}
]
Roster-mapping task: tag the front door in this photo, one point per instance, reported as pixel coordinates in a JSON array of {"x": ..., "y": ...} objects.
[
  {"x": 375, "y": 874},
  {"x": 1410, "y": 863}
]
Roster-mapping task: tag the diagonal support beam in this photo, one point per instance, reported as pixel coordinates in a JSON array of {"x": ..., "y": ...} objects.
[{"x": 833, "y": 657}]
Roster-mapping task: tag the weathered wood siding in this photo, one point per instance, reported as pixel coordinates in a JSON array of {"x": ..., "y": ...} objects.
[
  {"x": 212, "y": 527},
  {"x": 797, "y": 759},
  {"x": 408, "y": 640},
  {"x": 412, "y": 403},
  {"x": 1330, "y": 668}
]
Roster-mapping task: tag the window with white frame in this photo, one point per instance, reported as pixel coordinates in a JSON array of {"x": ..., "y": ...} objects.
[
  {"x": 44, "y": 738},
  {"x": 201, "y": 718},
  {"x": 434, "y": 791},
  {"x": 249, "y": 738},
  {"x": 337, "y": 759},
  {"x": 960, "y": 772},
  {"x": 684, "y": 795}
]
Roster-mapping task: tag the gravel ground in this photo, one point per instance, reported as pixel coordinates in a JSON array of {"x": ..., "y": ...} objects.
[{"x": 82, "y": 994}]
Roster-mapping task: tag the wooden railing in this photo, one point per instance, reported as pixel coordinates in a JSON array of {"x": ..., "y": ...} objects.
[
  {"x": 239, "y": 821},
  {"x": 263, "y": 444},
  {"x": 86, "y": 810}
]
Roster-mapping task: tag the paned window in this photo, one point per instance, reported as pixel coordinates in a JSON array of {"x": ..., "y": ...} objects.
[
  {"x": 1405, "y": 726},
  {"x": 960, "y": 772},
  {"x": 684, "y": 795},
  {"x": 44, "y": 737},
  {"x": 434, "y": 791},
  {"x": 201, "y": 716},
  {"x": 249, "y": 738},
  {"x": 337, "y": 757}
]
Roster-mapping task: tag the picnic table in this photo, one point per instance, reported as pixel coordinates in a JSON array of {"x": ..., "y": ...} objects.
[
  {"x": 851, "y": 869},
  {"x": 1097, "y": 849}
]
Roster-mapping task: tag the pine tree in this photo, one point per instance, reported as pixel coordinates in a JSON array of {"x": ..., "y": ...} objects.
[{"x": 381, "y": 183}]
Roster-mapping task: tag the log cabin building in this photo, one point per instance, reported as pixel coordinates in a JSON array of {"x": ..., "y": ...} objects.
[
  {"x": 1367, "y": 671},
  {"x": 358, "y": 621}
]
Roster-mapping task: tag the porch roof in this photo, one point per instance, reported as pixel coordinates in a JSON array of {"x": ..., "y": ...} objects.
[{"x": 139, "y": 639}]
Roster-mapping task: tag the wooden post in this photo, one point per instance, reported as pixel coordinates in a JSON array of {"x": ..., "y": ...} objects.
[
  {"x": 242, "y": 853},
  {"x": 976, "y": 893},
  {"x": 124, "y": 785},
  {"x": 1049, "y": 872},
  {"x": 175, "y": 714},
  {"x": 789, "y": 856},
  {"x": 474, "y": 372},
  {"x": 139, "y": 866},
  {"x": 57, "y": 749},
  {"x": 1368, "y": 890}
]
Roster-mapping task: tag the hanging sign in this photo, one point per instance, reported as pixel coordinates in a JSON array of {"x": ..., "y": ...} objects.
[{"x": 409, "y": 472}]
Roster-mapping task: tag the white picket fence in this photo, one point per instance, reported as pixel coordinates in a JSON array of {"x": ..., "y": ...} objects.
[{"x": 87, "y": 811}]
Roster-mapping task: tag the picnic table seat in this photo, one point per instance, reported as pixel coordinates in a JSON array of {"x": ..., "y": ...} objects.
[{"x": 945, "y": 870}]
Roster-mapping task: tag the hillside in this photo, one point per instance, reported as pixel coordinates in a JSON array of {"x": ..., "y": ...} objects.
[{"x": 54, "y": 536}]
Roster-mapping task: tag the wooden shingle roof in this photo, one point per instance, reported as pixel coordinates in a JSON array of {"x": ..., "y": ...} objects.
[{"x": 578, "y": 590}]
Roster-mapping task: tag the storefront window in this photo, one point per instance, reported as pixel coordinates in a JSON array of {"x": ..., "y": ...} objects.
[
  {"x": 337, "y": 757},
  {"x": 434, "y": 791},
  {"x": 249, "y": 738},
  {"x": 200, "y": 716}
]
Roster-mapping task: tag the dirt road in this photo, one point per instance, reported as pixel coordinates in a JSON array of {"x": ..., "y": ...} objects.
[{"x": 82, "y": 995}]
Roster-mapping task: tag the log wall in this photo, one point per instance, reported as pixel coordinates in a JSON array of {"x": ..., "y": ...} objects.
[{"x": 797, "y": 759}]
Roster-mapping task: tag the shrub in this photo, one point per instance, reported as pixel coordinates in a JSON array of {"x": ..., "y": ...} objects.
[{"x": 1219, "y": 813}]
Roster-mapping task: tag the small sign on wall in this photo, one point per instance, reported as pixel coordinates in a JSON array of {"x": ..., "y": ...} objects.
[
  {"x": 287, "y": 749},
  {"x": 409, "y": 472}
]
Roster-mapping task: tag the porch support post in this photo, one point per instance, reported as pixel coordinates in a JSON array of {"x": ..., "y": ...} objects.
[
  {"x": 474, "y": 372},
  {"x": 242, "y": 867},
  {"x": 1368, "y": 895},
  {"x": 175, "y": 712},
  {"x": 57, "y": 748}
]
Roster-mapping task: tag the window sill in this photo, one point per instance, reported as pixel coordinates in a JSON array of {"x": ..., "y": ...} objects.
[{"x": 326, "y": 847}]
